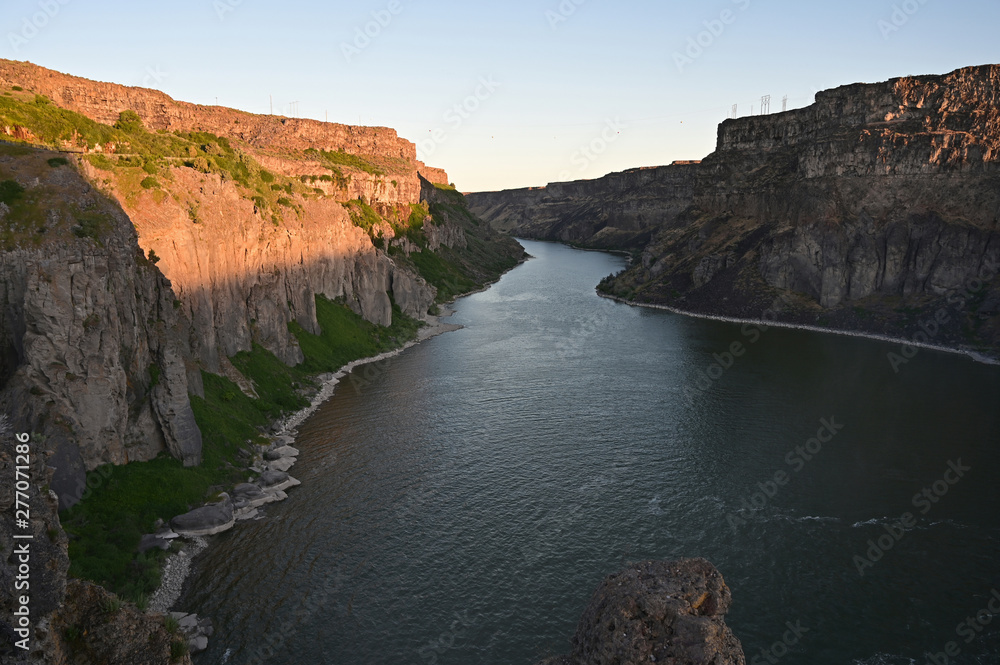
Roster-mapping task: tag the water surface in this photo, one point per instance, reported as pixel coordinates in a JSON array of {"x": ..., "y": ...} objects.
[{"x": 461, "y": 502}]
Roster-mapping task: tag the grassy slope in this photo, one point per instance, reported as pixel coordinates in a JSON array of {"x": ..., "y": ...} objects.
[
  {"x": 459, "y": 270},
  {"x": 106, "y": 526}
]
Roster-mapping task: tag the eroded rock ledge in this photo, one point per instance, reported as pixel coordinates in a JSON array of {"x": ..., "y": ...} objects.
[{"x": 657, "y": 612}]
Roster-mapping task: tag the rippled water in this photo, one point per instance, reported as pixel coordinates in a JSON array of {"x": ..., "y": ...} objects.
[{"x": 461, "y": 502}]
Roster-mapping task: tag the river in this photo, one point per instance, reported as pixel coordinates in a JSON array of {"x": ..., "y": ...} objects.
[{"x": 461, "y": 501}]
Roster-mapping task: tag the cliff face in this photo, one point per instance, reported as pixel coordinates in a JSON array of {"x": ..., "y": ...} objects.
[
  {"x": 94, "y": 349},
  {"x": 875, "y": 202},
  {"x": 619, "y": 211},
  {"x": 104, "y": 101},
  {"x": 240, "y": 278},
  {"x": 243, "y": 224}
]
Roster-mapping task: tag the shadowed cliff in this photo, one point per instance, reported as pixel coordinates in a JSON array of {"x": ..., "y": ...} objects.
[{"x": 872, "y": 209}]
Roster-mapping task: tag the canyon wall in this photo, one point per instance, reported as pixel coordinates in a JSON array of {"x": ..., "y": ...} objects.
[
  {"x": 103, "y": 102},
  {"x": 871, "y": 207},
  {"x": 117, "y": 296},
  {"x": 95, "y": 352}
]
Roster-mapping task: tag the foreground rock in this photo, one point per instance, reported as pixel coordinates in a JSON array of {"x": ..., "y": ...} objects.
[
  {"x": 657, "y": 612},
  {"x": 205, "y": 521},
  {"x": 196, "y": 630},
  {"x": 100, "y": 630}
]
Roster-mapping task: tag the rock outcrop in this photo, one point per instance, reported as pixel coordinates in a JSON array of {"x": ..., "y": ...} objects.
[
  {"x": 657, "y": 612},
  {"x": 95, "y": 348},
  {"x": 100, "y": 346},
  {"x": 871, "y": 209},
  {"x": 48, "y": 556}
]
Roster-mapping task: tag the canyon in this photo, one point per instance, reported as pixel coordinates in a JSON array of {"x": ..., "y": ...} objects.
[
  {"x": 146, "y": 242},
  {"x": 874, "y": 209}
]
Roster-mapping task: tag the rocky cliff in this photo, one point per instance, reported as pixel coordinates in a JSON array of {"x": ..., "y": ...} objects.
[
  {"x": 872, "y": 209},
  {"x": 94, "y": 351},
  {"x": 244, "y": 222},
  {"x": 144, "y": 243}
]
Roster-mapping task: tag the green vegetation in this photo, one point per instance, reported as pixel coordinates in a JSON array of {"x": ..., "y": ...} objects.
[
  {"x": 341, "y": 158},
  {"x": 105, "y": 528},
  {"x": 129, "y": 145},
  {"x": 346, "y": 336},
  {"x": 178, "y": 649},
  {"x": 56, "y": 162},
  {"x": 10, "y": 191},
  {"x": 446, "y": 275},
  {"x": 363, "y": 215}
]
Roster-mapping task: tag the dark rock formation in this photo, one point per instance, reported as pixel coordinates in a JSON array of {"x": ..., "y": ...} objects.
[
  {"x": 49, "y": 560},
  {"x": 869, "y": 210},
  {"x": 657, "y": 612},
  {"x": 97, "y": 629}
]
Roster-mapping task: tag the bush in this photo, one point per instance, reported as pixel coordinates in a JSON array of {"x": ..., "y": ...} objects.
[
  {"x": 56, "y": 162},
  {"x": 10, "y": 191},
  {"x": 111, "y": 605},
  {"x": 178, "y": 650},
  {"x": 17, "y": 88},
  {"x": 149, "y": 182},
  {"x": 129, "y": 122},
  {"x": 101, "y": 162}
]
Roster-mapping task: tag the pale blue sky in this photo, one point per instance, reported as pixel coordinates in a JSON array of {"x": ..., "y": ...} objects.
[{"x": 557, "y": 85}]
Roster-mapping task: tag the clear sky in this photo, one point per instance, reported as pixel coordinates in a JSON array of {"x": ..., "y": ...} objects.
[{"x": 545, "y": 90}]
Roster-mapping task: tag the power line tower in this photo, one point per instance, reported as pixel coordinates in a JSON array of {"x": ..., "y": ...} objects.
[
  {"x": 784, "y": 104},
  {"x": 765, "y": 104},
  {"x": 293, "y": 109},
  {"x": 733, "y": 112}
]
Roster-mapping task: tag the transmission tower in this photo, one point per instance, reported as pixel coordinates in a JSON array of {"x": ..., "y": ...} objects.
[
  {"x": 765, "y": 104},
  {"x": 733, "y": 113},
  {"x": 784, "y": 104},
  {"x": 293, "y": 109}
]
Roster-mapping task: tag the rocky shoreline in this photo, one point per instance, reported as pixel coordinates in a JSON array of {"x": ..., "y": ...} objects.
[
  {"x": 245, "y": 500},
  {"x": 974, "y": 355}
]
